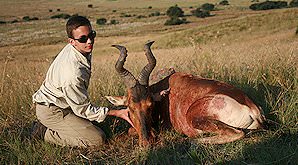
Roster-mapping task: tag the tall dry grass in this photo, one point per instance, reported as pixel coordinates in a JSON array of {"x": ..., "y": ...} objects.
[{"x": 257, "y": 53}]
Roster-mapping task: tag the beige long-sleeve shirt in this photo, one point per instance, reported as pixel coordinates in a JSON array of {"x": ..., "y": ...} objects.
[{"x": 66, "y": 85}]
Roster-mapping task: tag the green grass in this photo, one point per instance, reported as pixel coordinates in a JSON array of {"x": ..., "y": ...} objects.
[{"x": 255, "y": 51}]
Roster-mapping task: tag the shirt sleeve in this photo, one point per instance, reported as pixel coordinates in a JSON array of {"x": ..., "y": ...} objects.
[{"x": 77, "y": 97}]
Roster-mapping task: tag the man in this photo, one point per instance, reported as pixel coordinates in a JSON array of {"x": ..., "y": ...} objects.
[{"x": 62, "y": 102}]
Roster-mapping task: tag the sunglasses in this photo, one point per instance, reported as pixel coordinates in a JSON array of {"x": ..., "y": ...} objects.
[{"x": 84, "y": 39}]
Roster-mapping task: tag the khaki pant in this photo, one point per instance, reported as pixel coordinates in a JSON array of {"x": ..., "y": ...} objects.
[{"x": 65, "y": 128}]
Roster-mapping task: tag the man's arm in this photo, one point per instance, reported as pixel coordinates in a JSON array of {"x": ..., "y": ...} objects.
[{"x": 78, "y": 99}]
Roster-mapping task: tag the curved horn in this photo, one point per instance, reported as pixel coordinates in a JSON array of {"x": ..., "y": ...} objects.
[
  {"x": 146, "y": 71},
  {"x": 129, "y": 79}
]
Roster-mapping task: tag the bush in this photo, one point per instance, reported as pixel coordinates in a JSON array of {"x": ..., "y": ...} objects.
[
  {"x": 157, "y": 13},
  {"x": 50, "y": 10},
  {"x": 27, "y": 18},
  {"x": 267, "y": 5},
  {"x": 113, "y": 22},
  {"x": 224, "y": 2},
  {"x": 63, "y": 15},
  {"x": 140, "y": 16},
  {"x": 101, "y": 21},
  {"x": 176, "y": 21},
  {"x": 175, "y": 11},
  {"x": 14, "y": 21},
  {"x": 2, "y": 22},
  {"x": 125, "y": 15},
  {"x": 200, "y": 13},
  {"x": 207, "y": 6},
  {"x": 293, "y": 3},
  {"x": 90, "y": 6},
  {"x": 297, "y": 31}
]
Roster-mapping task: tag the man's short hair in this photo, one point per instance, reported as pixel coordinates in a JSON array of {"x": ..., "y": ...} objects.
[{"x": 74, "y": 22}]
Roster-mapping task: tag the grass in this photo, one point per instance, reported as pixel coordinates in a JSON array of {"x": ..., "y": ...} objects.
[{"x": 255, "y": 51}]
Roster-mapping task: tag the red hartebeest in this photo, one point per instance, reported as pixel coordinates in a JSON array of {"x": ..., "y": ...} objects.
[{"x": 194, "y": 106}]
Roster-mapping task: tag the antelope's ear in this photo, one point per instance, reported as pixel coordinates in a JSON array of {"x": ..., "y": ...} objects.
[{"x": 117, "y": 100}]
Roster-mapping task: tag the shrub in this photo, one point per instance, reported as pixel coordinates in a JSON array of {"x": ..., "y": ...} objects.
[
  {"x": 58, "y": 10},
  {"x": 114, "y": 11},
  {"x": 2, "y": 22},
  {"x": 50, "y": 10},
  {"x": 267, "y": 5},
  {"x": 207, "y": 6},
  {"x": 200, "y": 13},
  {"x": 224, "y": 2},
  {"x": 113, "y": 22},
  {"x": 90, "y": 6},
  {"x": 150, "y": 7},
  {"x": 141, "y": 16},
  {"x": 175, "y": 11},
  {"x": 14, "y": 21},
  {"x": 101, "y": 21},
  {"x": 176, "y": 21},
  {"x": 293, "y": 3},
  {"x": 63, "y": 15},
  {"x": 157, "y": 13},
  {"x": 297, "y": 31},
  {"x": 125, "y": 15},
  {"x": 27, "y": 18}
]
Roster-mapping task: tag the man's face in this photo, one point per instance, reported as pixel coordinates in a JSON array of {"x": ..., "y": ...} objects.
[{"x": 78, "y": 36}]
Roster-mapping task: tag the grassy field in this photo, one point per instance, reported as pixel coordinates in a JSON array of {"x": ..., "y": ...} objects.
[{"x": 254, "y": 50}]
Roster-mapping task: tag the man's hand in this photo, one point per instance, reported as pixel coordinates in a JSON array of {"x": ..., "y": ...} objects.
[
  {"x": 165, "y": 92},
  {"x": 161, "y": 94},
  {"x": 123, "y": 113}
]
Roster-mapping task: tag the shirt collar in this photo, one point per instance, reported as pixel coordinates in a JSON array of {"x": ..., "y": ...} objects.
[{"x": 86, "y": 60}]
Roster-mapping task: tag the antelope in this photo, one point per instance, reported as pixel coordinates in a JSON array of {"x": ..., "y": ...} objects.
[{"x": 193, "y": 105}]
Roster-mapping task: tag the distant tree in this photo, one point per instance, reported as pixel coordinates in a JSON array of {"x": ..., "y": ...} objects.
[
  {"x": 207, "y": 6},
  {"x": 14, "y": 21},
  {"x": 157, "y": 13},
  {"x": 101, "y": 21},
  {"x": 90, "y": 6},
  {"x": 140, "y": 16},
  {"x": 293, "y": 3},
  {"x": 200, "y": 13},
  {"x": 2, "y": 22},
  {"x": 297, "y": 31},
  {"x": 113, "y": 22},
  {"x": 176, "y": 21},
  {"x": 175, "y": 11},
  {"x": 224, "y": 2},
  {"x": 267, "y": 5},
  {"x": 63, "y": 16},
  {"x": 27, "y": 18}
]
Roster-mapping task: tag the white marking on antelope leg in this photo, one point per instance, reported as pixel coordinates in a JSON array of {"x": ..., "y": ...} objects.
[{"x": 229, "y": 111}]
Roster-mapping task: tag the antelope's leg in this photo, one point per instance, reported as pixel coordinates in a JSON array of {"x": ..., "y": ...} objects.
[
  {"x": 145, "y": 73},
  {"x": 204, "y": 122},
  {"x": 220, "y": 132},
  {"x": 129, "y": 79}
]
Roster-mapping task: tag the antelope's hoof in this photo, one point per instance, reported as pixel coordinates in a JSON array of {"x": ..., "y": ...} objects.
[
  {"x": 148, "y": 44},
  {"x": 122, "y": 49}
]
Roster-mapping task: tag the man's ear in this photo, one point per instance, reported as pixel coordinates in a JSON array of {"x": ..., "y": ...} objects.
[{"x": 71, "y": 41}]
